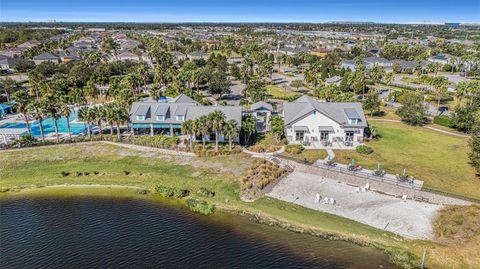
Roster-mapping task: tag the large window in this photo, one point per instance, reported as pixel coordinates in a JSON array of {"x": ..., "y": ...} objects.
[
  {"x": 348, "y": 136},
  {"x": 299, "y": 136},
  {"x": 323, "y": 136}
]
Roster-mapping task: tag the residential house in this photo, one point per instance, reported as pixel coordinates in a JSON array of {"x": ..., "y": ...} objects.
[
  {"x": 46, "y": 57},
  {"x": 262, "y": 111},
  {"x": 320, "y": 52},
  {"x": 196, "y": 55},
  {"x": 337, "y": 80},
  {"x": 320, "y": 123},
  {"x": 213, "y": 44},
  {"x": 29, "y": 44},
  {"x": 7, "y": 63},
  {"x": 128, "y": 56},
  {"x": 440, "y": 59},
  {"x": 150, "y": 117}
]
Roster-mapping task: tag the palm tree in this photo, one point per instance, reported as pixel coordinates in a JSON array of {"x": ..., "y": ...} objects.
[
  {"x": 109, "y": 110},
  {"x": 99, "y": 113},
  {"x": 249, "y": 127},
  {"x": 83, "y": 116},
  {"x": 460, "y": 91},
  {"x": 203, "y": 128},
  {"x": 231, "y": 130},
  {"x": 37, "y": 107},
  {"x": 155, "y": 92},
  {"x": 65, "y": 111},
  {"x": 120, "y": 116},
  {"x": 188, "y": 128},
  {"x": 217, "y": 120},
  {"x": 22, "y": 100},
  {"x": 52, "y": 106}
]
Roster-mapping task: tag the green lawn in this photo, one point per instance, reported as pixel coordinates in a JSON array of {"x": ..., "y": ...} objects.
[
  {"x": 277, "y": 92},
  {"x": 440, "y": 160}
]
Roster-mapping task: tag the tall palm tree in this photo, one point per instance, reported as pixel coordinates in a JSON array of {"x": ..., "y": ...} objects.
[
  {"x": 83, "y": 116},
  {"x": 99, "y": 113},
  {"x": 65, "y": 111},
  {"x": 38, "y": 110},
  {"x": 460, "y": 91},
  {"x": 22, "y": 100},
  {"x": 203, "y": 128},
  {"x": 52, "y": 107},
  {"x": 188, "y": 128},
  {"x": 120, "y": 117},
  {"x": 231, "y": 130},
  {"x": 155, "y": 92},
  {"x": 217, "y": 120},
  {"x": 109, "y": 113}
]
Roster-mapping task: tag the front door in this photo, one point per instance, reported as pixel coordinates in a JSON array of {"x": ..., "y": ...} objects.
[
  {"x": 349, "y": 136},
  {"x": 323, "y": 136},
  {"x": 299, "y": 136}
]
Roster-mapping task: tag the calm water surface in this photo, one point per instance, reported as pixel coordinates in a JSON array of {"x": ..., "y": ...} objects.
[{"x": 87, "y": 232}]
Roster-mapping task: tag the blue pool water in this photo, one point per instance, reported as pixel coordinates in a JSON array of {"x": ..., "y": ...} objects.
[{"x": 76, "y": 128}]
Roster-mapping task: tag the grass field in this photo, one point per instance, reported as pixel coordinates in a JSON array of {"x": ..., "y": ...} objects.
[
  {"x": 277, "y": 92},
  {"x": 438, "y": 159},
  {"x": 43, "y": 166}
]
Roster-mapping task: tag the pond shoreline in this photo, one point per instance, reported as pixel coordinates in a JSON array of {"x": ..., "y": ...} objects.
[{"x": 407, "y": 260}]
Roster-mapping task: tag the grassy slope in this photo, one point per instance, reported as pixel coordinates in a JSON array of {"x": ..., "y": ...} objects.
[
  {"x": 438, "y": 159},
  {"x": 42, "y": 166}
]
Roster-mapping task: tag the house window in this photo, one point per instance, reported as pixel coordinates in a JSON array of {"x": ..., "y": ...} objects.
[
  {"x": 324, "y": 136},
  {"x": 353, "y": 121},
  {"x": 140, "y": 117},
  {"x": 349, "y": 136},
  {"x": 299, "y": 136},
  {"x": 180, "y": 118},
  {"x": 160, "y": 118}
]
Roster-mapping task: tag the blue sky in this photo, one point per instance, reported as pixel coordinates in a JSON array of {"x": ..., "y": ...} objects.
[{"x": 241, "y": 10}]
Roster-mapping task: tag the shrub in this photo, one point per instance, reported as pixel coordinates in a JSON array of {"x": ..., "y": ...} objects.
[
  {"x": 443, "y": 121},
  {"x": 166, "y": 191},
  {"x": 206, "y": 192},
  {"x": 365, "y": 150},
  {"x": 64, "y": 174},
  {"x": 294, "y": 149},
  {"x": 200, "y": 206},
  {"x": 126, "y": 173},
  {"x": 77, "y": 174}
]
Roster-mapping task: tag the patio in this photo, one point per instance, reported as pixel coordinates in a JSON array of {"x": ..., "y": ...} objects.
[{"x": 337, "y": 145}]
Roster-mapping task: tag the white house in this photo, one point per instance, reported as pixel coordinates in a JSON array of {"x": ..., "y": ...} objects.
[
  {"x": 310, "y": 121},
  {"x": 262, "y": 111}
]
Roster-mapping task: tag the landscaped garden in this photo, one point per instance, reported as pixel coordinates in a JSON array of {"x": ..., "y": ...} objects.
[{"x": 440, "y": 160}]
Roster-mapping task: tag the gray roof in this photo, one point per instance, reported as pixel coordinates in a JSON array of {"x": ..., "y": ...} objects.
[
  {"x": 46, "y": 56},
  {"x": 198, "y": 53},
  {"x": 351, "y": 113},
  {"x": 260, "y": 105},
  {"x": 8, "y": 61},
  {"x": 303, "y": 106},
  {"x": 182, "y": 98},
  {"x": 189, "y": 108},
  {"x": 333, "y": 79},
  {"x": 231, "y": 112}
]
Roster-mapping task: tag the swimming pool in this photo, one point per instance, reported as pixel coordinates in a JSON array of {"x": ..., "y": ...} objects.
[{"x": 75, "y": 128}]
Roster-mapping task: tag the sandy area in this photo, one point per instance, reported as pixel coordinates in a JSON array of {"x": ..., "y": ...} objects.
[{"x": 410, "y": 219}]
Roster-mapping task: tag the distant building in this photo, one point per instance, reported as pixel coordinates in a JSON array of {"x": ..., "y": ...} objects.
[
  {"x": 320, "y": 52},
  {"x": 196, "y": 55},
  {"x": 128, "y": 56},
  {"x": 213, "y": 44},
  {"x": 46, "y": 57},
  {"x": 440, "y": 59}
]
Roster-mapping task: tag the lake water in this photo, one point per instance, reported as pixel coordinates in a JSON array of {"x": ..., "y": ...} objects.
[{"x": 88, "y": 232}]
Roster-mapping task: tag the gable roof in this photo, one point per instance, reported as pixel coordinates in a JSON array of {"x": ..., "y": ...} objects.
[
  {"x": 46, "y": 56},
  {"x": 261, "y": 104},
  {"x": 182, "y": 98},
  {"x": 338, "y": 112}
]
